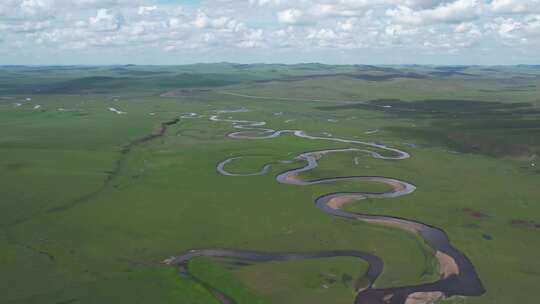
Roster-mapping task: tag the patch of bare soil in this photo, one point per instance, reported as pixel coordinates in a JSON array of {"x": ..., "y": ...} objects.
[
  {"x": 447, "y": 265},
  {"x": 424, "y": 297},
  {"x": 338, "y": 202},
  {"x": 474, "y": 213}
]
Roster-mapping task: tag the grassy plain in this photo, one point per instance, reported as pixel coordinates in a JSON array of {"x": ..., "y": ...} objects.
[{"x": 475, "y": 168}]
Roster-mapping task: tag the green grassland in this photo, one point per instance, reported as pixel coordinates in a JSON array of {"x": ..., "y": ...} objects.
[{"x": 85, "y": 221}]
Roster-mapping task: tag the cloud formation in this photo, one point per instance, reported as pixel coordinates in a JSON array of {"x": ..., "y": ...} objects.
[{"x": 342, "y": 31}]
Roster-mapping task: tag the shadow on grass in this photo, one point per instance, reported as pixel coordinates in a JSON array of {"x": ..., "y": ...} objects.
[{"x": 489, "y": 128}]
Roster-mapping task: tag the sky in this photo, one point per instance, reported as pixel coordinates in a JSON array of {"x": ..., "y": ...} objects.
[{"x": 154, "y": 32}]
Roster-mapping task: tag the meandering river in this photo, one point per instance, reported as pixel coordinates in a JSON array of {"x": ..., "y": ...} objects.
[{"x": 457, "y": 274}]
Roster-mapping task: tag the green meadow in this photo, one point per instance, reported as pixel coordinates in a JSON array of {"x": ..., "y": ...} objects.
[{"x": 89, "y": 211}]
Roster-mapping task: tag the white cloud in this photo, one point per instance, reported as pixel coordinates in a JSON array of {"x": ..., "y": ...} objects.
[
  {"x": 146, "y": 10},
  {"x": 346, "y": 8},
  {"x": 201, "y": 21},
  {"x": 30, "y": 27},
  {"x": 174, "y": 22},
  {"x": 331, "y": 10},
  {"x": 33, "y": 7},
  {"x": 143, "y": 27},
  {"x": 252, "y": 39},
  {"x": 105, "y": 21},
  {"x": 422, "y": 4},
  {"x": 235, "y": 27},
  {"x": 454, "y": 12},
  {"x": 347, "y": 25},
  {"x": 508, "y": 28},
  {"x": 469, "y": 29},
  {"x": 532, "y": 25},
  {"x": 290, "y": 16},
  {"x": 263, "y": 3},
  {"x": 223, "y": 23},
  {"x": 332, "y": 38},
  {"x": 92, "y": 3},
  {"x": 465, "y": 35},
  {"x": 515, "y": 6},
  {"x": 512, "y": 31},
  {"x": 395, "y": 31},
  {"x": 509, "y": 31},
  {"x": 26, "y": 10},
  {"x": 322, "y": 34}
]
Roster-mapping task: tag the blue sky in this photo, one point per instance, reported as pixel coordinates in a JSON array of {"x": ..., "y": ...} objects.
[{"x": 246, "y": 31}]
